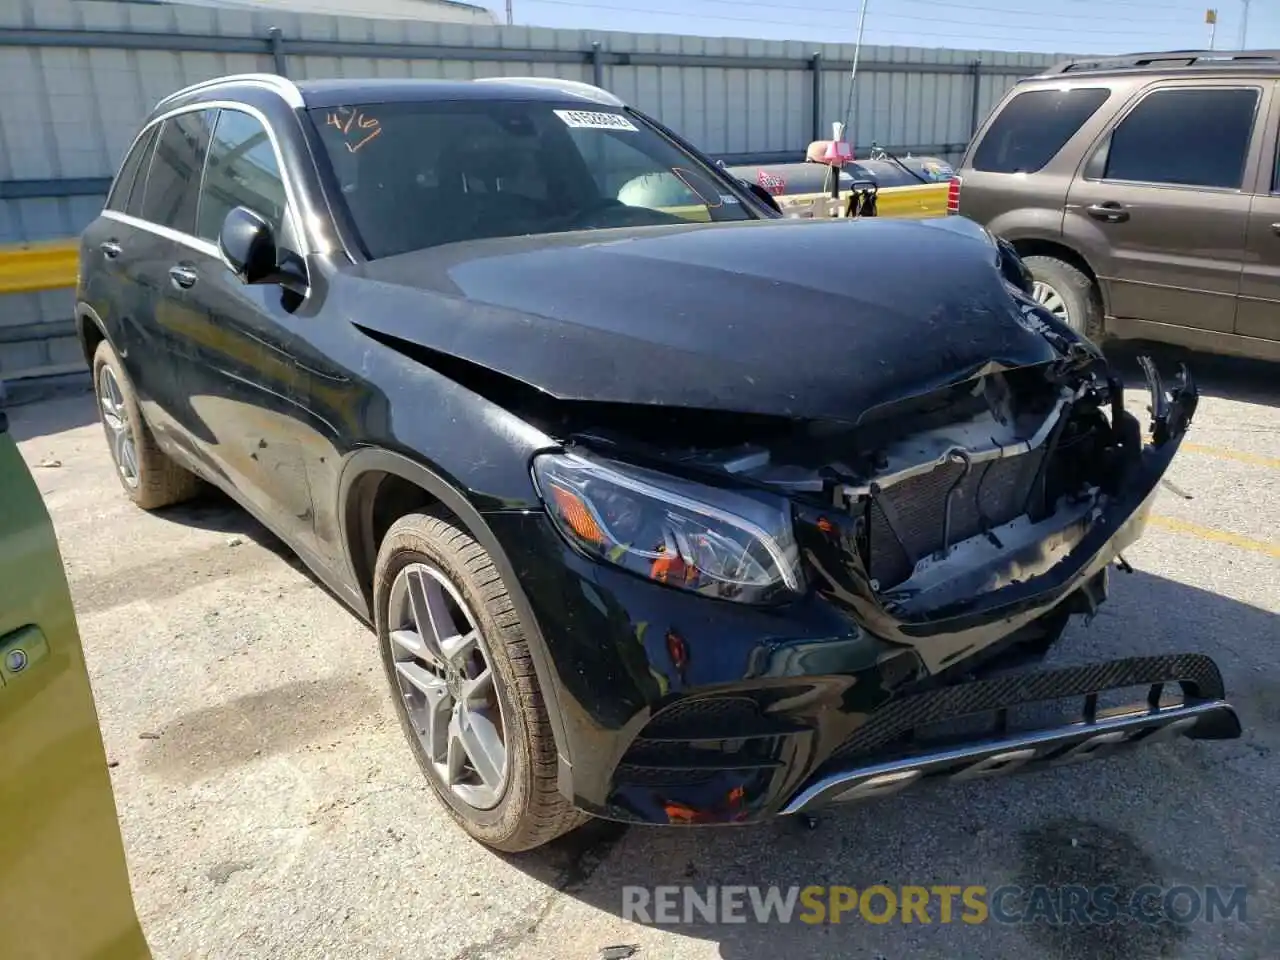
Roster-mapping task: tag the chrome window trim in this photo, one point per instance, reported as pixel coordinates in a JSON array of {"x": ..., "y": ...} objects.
[
  {"x": 195, "y": 243},
  {"x": 291, "y": 213}
]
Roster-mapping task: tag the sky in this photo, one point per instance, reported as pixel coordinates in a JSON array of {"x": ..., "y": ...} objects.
[{"x": 1042, "y": 26}]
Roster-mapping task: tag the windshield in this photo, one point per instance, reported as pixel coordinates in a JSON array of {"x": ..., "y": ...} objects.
[{"x": 424, "y": 173}]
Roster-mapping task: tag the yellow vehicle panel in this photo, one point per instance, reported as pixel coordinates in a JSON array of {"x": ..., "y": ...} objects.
[{"x": 64, "y": 883}]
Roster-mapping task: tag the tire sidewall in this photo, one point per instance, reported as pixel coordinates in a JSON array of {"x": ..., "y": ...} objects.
[
  {"x": 1074, "y": 287},
  {"x": 401, "y": 548},
  {"x": 105, "y": 356}
]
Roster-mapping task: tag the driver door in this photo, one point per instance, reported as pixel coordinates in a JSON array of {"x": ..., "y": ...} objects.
[{"x": 237, "y": 366}]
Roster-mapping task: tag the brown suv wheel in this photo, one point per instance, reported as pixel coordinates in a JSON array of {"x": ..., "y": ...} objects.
[{"x": 1068, "y": 293}]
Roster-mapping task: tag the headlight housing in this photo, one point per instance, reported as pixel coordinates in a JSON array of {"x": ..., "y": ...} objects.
[{"x": 719, "y": 543}]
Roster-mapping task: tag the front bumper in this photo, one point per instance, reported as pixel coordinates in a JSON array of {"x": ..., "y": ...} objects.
[
  {"x": 673, "y": 708},
  {"x": 1197, "y": 710}
]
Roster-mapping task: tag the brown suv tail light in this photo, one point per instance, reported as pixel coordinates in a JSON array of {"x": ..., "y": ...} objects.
[{"x": 953, "y": 195}]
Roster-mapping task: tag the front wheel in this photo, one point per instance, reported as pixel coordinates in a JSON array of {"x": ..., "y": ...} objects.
[{"x": 457, "y": 658}]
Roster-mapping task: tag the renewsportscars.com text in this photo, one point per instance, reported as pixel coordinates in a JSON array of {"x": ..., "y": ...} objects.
[{"x": 944, "y": 904}]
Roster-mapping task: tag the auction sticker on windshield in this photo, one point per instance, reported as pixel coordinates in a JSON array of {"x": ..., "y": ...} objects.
[{"x": 590, "y": 120}]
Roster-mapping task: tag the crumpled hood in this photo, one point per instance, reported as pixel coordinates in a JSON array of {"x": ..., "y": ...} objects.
[{"x": 807, "y": 319}]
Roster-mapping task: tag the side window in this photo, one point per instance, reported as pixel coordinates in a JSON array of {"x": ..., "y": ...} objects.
[
  {"x": 1034, "y": 126},
  {"x": 173, "y": 183},
  {"x": 137, "y": 160},
  {"x": 1188, "y": 137},
  {"x": 242, "y": 172},
  {"x": 1275, "y": 173}
]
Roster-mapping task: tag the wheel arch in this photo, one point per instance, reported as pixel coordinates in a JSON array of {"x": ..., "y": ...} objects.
[
  {"x": 90, "y": 331},
  {"x": 378, "y": 486}
]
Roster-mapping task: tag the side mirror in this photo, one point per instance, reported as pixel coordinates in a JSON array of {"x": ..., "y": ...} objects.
[
  {"x": 761, "y": 194},
  {"x": 248, "y": 244}
]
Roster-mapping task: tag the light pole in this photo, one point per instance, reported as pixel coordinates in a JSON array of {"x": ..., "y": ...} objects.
[
  {"x": 1244, "y": 25},
  {"x": 853, "y": 74}
]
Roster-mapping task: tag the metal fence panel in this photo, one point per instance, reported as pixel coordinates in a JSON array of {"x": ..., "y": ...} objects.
[{"x": 79, "y": 75}]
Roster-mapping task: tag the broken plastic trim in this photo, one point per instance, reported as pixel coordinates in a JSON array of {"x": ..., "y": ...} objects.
[
  {"x": 1171, "y": 410},
  {"x": 997, "y": 451}
]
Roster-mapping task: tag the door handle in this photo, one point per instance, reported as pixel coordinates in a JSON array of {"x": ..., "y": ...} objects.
[
  {"x": 183, "y": 277},
  {"x": 1109, "y": 212},
  {"x": 1275, "y": 228},
  {"x": 110, "y": 249}
]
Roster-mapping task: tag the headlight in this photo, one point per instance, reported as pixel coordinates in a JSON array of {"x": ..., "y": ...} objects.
[{"x": 719, "y": 543}]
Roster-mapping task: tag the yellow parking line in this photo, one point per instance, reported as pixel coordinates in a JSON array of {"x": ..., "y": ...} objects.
[
  {"x": 1225, "y": 453},
  {"x": 1240, "y": 456},
  {"x": 1263, "y": 547}
]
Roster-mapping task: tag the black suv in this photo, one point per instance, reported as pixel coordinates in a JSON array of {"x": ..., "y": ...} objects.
[{"x": 666, "y": 514}]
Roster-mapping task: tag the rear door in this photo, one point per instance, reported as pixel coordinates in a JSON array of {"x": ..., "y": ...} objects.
[
  {"x": 64, "y": 882},
  {"x": 162, "y": 217},
  {"x": 122, "y": 265},
  {"x": 1162, "y": 201},
  {"x": 1259, "y": 313}
]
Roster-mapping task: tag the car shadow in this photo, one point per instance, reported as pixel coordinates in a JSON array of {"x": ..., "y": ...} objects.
[
  {"x": 48, "y": 415},
  {"x": 1107, "y": 822},
  {"x": 1231, "y": 378},
  {"x": 213, "y": 510}
]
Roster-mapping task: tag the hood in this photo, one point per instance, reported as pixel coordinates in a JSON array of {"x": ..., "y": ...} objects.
[{"x": 805, "y": 319}]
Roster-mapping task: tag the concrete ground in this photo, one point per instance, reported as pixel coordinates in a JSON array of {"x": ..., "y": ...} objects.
[{"x": 271, "y": 810}]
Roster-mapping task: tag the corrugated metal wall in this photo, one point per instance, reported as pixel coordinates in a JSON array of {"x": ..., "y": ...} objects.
[{"x": 78, "y": 76}]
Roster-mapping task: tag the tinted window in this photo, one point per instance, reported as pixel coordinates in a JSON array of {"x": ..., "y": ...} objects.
[
  {"x": 242, "y": 172},
  {"x": 421, "y": 174},
  {"x": 173, "y": 183},
  {"x": 137, "y": 159},
  {"x": 1034, "y": 126},
  {"x": 1275, "y": 174},
  {"x": 1193, "y": 137}
]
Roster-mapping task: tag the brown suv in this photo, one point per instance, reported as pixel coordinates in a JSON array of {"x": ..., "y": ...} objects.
[{"x": 1143, "y": 192}]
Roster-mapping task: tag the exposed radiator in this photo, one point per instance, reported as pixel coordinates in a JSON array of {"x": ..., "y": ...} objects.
[{"x": 992, "y": 494}]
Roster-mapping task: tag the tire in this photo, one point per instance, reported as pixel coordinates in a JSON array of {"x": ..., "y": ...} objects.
[
  {"x": 152, "y": 480},
  {"x": 528, "y": 811},
  {"x": 1077, "y": 293}
]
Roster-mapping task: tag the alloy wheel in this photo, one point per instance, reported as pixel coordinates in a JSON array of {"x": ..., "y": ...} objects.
[
  {"x": 115, "y": 417},
  {"x": 1051, "y": 300},
  {"x": 445, "y": 675}
]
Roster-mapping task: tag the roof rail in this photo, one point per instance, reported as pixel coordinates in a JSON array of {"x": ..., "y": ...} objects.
[
  {"x": 1166, "y": 59},
  {"x": 575, "y": 87},
  {"x": 282, "y": 85}
]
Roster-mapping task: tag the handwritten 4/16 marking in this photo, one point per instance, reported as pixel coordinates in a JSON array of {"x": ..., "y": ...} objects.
[{"x": 357, "y": 121}]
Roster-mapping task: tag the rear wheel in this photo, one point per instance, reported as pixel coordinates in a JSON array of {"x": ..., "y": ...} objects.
[
  {"x": 148, "y": 476},
  {"x": 457, "y": 658},
  {"x": 1068, "y": 293}
]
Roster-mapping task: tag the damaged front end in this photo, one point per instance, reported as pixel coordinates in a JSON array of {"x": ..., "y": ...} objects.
[
  {"x": 949, "y": 527},
  {"x": 941, "y": 510}
]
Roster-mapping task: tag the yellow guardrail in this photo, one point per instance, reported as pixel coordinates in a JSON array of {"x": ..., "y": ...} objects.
[
  {"x": 33, "y": 267},
  {"x": 910, "y": 203}
]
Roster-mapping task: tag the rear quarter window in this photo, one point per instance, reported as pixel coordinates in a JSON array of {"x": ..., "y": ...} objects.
[
  {"x": 1034, "y": 126},
  {"x": 132, "y": 171}
]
